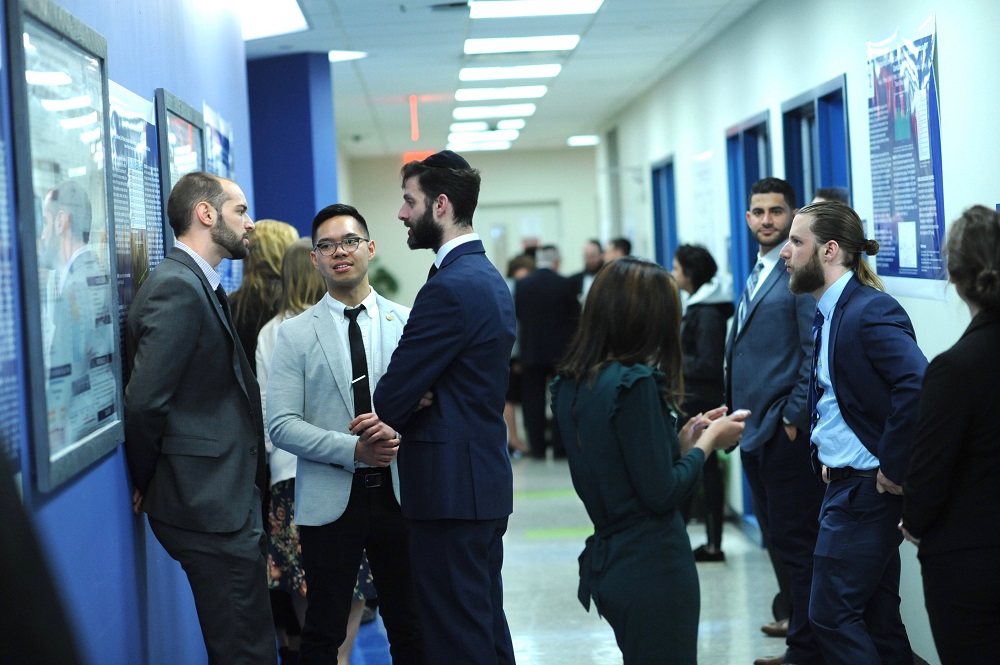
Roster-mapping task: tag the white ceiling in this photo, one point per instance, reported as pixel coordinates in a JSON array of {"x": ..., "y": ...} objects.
[{"x": 415, "y": 47}]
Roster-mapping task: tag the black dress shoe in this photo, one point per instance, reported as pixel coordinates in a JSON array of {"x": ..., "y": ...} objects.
[
  {"x": 702, "y": 554},
  {"x": 776, "y": 628}
]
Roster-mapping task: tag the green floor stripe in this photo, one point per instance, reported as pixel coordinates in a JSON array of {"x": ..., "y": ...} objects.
[
  {"x": 545, "y": 494},
  {"x": 564, "y": 532}
]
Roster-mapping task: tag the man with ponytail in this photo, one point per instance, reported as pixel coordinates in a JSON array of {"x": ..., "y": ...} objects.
[{"x": 866, "y": 378}]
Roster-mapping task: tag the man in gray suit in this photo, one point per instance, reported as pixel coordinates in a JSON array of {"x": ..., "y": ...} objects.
[
  {"x": 346, "y": 486},
  {"x": 194, "y": 437},
  {"x": 768, "y": 359}
]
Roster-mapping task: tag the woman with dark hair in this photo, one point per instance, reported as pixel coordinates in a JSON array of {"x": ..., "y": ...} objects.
[
  {"x": 703, "y": 345},
  {"x": 615, "y": 399},
  {"x": 951, "y": 492}
]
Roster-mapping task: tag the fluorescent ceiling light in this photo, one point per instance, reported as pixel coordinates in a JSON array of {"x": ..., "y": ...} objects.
[
  {"x": 480, "y": 137},
  {"x": 81, "y": 102},
  {"x": 478, "y": 126},
  {"x": 485, "y": 145},
  {"x": 515, "y": 8},
  {"x": 344, "y": 56},
  {"x": 511, "y": 72},
  {"x": 79, "y": 121},
  {"x": 521, "y": 44},
  {"x": 512, "y": 92},
  {"x": 502, "y": 111},
  {"x": 513, "y": 123},
  {"x": 269, "y": 18},
  {"x": 588, "y": 139}
]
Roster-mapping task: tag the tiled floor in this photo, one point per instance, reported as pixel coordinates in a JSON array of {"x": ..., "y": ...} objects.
[{"x": 548, "y": 624}]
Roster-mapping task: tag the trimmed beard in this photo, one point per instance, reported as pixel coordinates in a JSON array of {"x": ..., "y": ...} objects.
[
  {"x": 809, "y": 278},
  {"x": 425, "y": 232},
  {"x": 229, "y": 240}
]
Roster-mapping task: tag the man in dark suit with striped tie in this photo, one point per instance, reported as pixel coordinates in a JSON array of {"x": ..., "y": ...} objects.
[
  {"x": 194, "y": 435},
  {"x": 767, "y": 371}
]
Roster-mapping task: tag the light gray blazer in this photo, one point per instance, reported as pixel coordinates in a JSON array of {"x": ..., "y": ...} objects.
[{"x": 310, "y": 404}]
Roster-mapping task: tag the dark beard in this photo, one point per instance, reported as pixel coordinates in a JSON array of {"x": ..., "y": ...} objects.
[
  {"x": 425, "y": 233},
  {"x": 807, "y": 279},
  {"x": 229, "y": 240}
]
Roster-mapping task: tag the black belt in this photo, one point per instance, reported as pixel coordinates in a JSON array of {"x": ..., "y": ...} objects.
[
  {"x": 849, "y": 472},
  {"x": 372, "y": 476}
]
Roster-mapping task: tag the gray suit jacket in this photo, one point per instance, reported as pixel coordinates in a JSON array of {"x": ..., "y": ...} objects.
[
  {"x": 310, "y": 404},
  {"x": 193, "y": 428},
  {"x": 768, "y": 362}
]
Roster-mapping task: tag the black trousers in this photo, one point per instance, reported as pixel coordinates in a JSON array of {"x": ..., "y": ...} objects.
[
  {"x": 331, "y": 557},
  {"x": 228, "y": 576},
  {"x": 534, "y": 400}
]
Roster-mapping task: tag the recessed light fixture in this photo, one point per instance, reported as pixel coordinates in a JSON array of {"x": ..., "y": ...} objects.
[
  {"x": 511, "y": 72},
  {"x": 583, "y": 139},
  {"x": 515, "y": 8},
  {"x": 502, "y": 111},
  {"x": 512, "y": 92},
  {"x": 344, "y": 56},
  {"x": 478, "y": 126},
  {"x": 480, "y": 137},
  {"x": 485, "y": 145},
  {"x": 512, "y": 123},
  {"x": 521, "y": 44},
  {"x": 269, "y": 18}
]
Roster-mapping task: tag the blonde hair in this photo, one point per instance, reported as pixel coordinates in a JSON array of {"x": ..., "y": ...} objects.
[
  {"x": 302, "y": 284},
  {"x": 261, "y": 286}
]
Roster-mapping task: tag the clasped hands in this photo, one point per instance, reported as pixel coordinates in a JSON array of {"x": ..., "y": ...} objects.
[{"x": 378, "y": 444}]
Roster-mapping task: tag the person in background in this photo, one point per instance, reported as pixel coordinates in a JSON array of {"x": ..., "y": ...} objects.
[
  {"x": 302, "y": 287},
  {"x": 832, "y": 194},
  {"x": 593, "y": 259},
  {"x": 617, "y": 248},
  {"x": 194, "y": 436},
  {"x": 616, "y": 399},
  {"x": 767, "y": 359},
  {"x": 547, "y": 314},
  {"x": 950, "y": 492},
  {"x": 455, "y": 473},
  {"x": 518, "y": 267},
  {"x": 865, "y": 384},
  {"x": 703, "y": 344},
  {"x": 257, "y": 300}
]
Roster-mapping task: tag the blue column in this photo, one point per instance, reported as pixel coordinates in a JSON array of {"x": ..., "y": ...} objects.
[{"x": 293, "y": 137}]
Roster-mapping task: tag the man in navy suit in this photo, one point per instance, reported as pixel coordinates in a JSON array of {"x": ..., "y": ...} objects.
[
  {"x": 867, "y": 373},
  {"x": 455, "y": 476},
  {"x": 767, "y": 362}
]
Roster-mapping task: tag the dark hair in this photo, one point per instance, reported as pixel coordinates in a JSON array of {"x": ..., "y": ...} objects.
[
  {"x": 72, "y": 198},
  {"x": 773, "y": 186},
  {"x": 461, "y": 186},
  {"x": 518, "y": 262},
  {"x": 190, "y": 190},
  {"x": 302, "y": 284},
  {"x": 623, "y": 245},
  {"x": 972, "y": 250},
  {"x": 596, "y": 243},
  {"x": 338, "y": 210},
  {"x": 832, "y": 220},
  {"x": 633, "y": 315},
  {"x": 696, "y": 263},
  {"x": 834, "y": 194}
]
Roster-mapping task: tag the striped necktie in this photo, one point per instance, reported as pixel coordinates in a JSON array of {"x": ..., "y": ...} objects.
[{"x": 748, "y": 294}]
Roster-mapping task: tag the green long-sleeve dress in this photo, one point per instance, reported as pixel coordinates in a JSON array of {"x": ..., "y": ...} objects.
[{"x": 626, "y": 466}]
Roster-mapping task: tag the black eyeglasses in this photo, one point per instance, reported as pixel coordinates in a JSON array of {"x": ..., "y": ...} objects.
[{"x": 327, "y": 248}]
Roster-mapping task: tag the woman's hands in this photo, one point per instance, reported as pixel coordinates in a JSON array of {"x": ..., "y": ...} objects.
[{"x": 713, "y": 430}]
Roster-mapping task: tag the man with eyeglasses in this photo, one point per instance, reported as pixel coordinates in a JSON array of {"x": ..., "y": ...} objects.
[{"x": 326, "y": 362}]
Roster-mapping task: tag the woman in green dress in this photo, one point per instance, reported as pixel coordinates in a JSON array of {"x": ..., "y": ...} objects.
[{"x": 615, "y": 403}]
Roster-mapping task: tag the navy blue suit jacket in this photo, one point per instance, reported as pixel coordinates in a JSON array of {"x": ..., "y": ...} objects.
[
  {"x": 453, "y": 460},
  {"x": 876, "y": 369}
]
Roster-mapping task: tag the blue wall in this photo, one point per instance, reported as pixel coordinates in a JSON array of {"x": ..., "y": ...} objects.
[{"x": 129, "y": 602}]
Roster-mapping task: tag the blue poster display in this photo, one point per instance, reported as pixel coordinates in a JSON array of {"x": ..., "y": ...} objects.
[
  {"x": 905, "y": 139},
  {"x": 219, "y": 160}
]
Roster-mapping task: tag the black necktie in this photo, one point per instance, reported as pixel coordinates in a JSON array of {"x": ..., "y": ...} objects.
[
  {"x": 815, "y": 392},
  {"x": 359, "y": 363},
  {"x": 433, "y": 271}
]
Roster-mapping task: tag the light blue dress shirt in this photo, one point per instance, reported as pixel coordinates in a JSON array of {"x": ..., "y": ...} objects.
[{"x": 838, "y": 445}]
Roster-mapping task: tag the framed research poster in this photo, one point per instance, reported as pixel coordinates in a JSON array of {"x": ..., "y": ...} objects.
[
  {"x": 182, "y": 147},
  {"x": 61, "y": 156}
]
